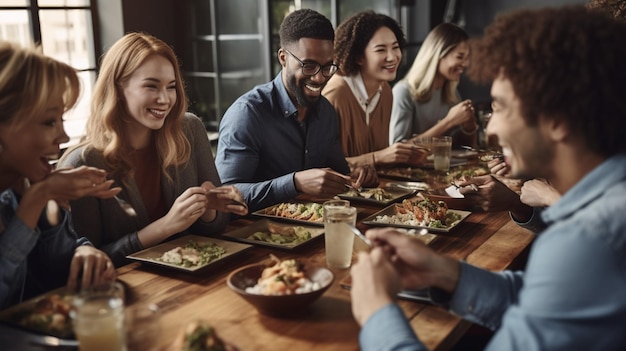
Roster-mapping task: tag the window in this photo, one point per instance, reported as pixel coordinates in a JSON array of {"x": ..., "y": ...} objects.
[{"x": 66, "y": 32}]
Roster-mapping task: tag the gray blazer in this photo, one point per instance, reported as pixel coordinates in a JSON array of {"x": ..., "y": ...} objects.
[{"x": 110, "y": 229}]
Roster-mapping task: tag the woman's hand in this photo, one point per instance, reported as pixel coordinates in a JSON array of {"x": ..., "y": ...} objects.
[
  {"x": 67, "y": 184},
  {"x": 400, "y": 153},
  {"x": 187, "y": 208},
  {"x": 225, "y": 198},
  {"x": 62, "y": 186},
  {"x": 461, "y": 113},
  {"x": 90, "y": 267}
]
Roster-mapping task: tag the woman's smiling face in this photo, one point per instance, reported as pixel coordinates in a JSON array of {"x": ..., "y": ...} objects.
[
  {"x": 381, "y": 57},
  {"x": 27, "y": 147},
  {"x": 452, "y": 65},
  {"x": 150, "y": 92}
]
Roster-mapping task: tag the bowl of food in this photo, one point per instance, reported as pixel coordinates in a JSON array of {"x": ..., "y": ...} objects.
[{"x": 280, "y": 288}]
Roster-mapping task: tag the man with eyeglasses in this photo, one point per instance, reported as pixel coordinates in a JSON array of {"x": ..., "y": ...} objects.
[{"x": 281, "y": 139}]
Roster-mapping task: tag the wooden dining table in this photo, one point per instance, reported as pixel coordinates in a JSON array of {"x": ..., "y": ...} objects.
[{"x": 488, "y": 240}]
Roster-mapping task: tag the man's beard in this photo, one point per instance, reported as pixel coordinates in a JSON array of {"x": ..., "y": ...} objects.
[{"x": 298, "y": 91}]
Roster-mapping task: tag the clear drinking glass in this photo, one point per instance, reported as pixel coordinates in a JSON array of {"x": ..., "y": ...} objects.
[
  {"x": 442, "y": 146},
  {"x": 98, "y": 318},
  {"x": 143, "y": 326},
  {"x": 339, "y": 239}
]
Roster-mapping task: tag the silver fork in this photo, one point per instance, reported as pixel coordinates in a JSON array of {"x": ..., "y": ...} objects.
[
  {"x": 360, "y": 235},
  {"x": 128, "y": 208}
]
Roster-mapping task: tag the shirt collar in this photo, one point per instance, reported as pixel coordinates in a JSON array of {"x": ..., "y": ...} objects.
[
  {"x": 590, "y": 187},
  {"x": 287, "y": 107}
]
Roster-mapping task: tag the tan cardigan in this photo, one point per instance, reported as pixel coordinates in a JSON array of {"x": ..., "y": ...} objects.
[{"x": 358, "y": 139}]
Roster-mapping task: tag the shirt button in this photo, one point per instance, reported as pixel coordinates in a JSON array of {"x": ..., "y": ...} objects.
[
  {"x": 470, "y": 308},
  {"x": 306, "y": 151}
]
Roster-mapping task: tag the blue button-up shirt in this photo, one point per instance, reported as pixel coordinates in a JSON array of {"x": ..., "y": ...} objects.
[
  {"x": 262, "y": 144},
  {"x": 572, "y": 295}
]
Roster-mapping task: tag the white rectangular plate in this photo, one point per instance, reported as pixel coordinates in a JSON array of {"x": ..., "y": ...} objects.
[{"x": 151, "y": 254}]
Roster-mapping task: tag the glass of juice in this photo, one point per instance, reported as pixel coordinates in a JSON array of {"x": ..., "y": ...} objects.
[{"x": 98, "y": 318}]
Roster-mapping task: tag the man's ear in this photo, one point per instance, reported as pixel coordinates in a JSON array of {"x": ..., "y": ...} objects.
[
  {"x": 281, "y": 57},
  {"x": 556, "y": 127}
]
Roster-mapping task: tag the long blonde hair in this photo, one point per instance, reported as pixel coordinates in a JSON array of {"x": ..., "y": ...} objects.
[
  {"x": 30, "y": 81},
  {"x": 105, "y": 130},
  {"x": 439, "y": 42}
]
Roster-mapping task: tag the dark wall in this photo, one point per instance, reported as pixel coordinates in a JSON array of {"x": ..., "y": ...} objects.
[
  {"x": 156, "y": 17},
  {"x": 475, "y": 15}
]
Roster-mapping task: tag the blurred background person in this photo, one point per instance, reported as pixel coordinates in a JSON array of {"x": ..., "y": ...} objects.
[
  {"x": 368, "y": 50},
  {"x": 139, "y": 133},
  {"x": 39, "y": 250},
  {"x": 426, "y": 102}
]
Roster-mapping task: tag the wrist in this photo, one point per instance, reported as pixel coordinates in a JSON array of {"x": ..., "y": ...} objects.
[{"x": 448, "y": 276}]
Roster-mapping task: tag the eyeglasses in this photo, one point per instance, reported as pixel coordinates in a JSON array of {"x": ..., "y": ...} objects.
[{"x": 312, "y": 68}]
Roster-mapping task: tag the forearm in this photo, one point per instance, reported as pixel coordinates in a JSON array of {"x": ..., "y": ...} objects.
[
  {"x": 33, "y": 201},
  {"x": 154, "y": 233}
]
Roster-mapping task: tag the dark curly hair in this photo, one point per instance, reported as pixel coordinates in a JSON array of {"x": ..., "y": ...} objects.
[
  {"x": 305, "y": 23},
  {"x": 615, "y": 8},
  {"x": 564, "y": 63},
  {"x": 355, "y": 32}
]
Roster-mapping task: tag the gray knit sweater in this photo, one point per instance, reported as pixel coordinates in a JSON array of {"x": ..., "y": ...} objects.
[{"x": 110, "y": 229}]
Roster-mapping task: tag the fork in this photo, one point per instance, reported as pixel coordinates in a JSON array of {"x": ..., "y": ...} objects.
[
  {"x": 359, "y": 189},
  {"x": 360, "y": 235},
  {"x": 128, "y": 208}
]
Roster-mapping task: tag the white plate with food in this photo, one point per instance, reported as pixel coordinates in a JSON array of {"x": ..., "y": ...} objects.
[
  {"x": 435, "y": 216},
  {"x": 379, "y": 196},
  {"x": 189, "y": 253},
  {"x": 310, "y": 213},
  {"x": 274, "y": 234}
]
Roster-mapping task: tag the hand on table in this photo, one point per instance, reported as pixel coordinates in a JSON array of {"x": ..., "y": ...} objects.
[{"x": 90, "y": 267}]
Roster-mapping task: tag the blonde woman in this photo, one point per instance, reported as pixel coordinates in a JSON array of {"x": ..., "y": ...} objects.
[
  {"x": 161, "y": 157},
  {"x": 368, "y": 50},
  {"x": 426, "y": 102},
  {"x": 39, "y": 250}
]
